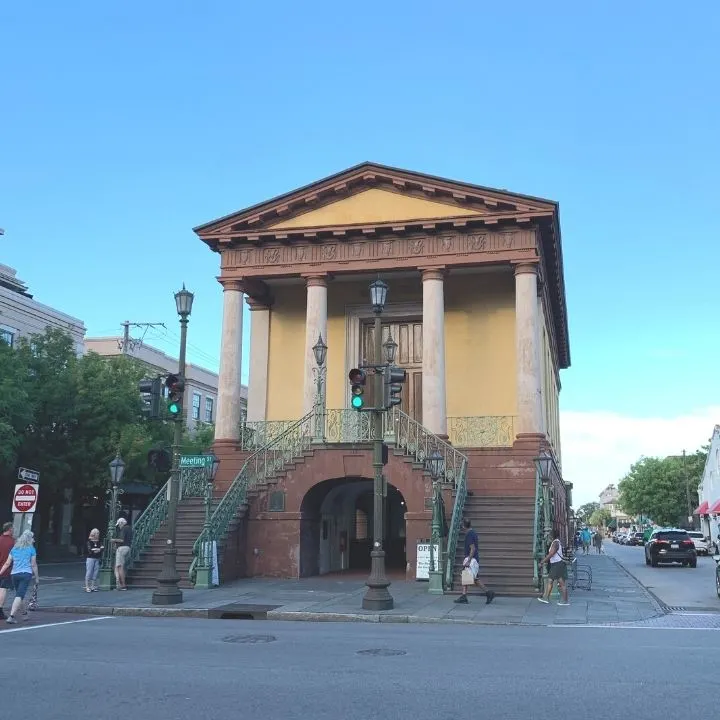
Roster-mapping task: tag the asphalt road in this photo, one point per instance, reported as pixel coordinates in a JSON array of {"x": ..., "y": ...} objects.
[
  {"x": 120, "y": 668},
  {"x": 676, "y": 586}
]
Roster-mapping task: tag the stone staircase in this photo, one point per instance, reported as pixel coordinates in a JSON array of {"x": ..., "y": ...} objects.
[{"x": 505, "y": 529}]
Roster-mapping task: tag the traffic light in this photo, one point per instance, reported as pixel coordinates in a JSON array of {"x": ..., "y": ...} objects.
[
  {"x": 357, "y": 388},
  {"x": 160, "y": 459},
  {"x": 394, "y": 379},
  {"x": 151, "y": 390},
  {"x": 176, "y": 392}
]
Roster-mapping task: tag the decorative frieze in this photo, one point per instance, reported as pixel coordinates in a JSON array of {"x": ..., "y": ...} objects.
[{"x": 414, "y": 247}]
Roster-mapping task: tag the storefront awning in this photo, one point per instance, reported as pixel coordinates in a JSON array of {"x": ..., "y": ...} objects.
[
  {"x": 702, "y": 509},
  {"x": 715, "y": 509}
]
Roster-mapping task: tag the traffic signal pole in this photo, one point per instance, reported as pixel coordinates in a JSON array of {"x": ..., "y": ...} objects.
[
  {"x": 167, "y": 591},
  {"x": 378, "y": 596}
]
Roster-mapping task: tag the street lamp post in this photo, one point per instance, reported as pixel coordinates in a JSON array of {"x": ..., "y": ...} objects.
[
  {"x": 544, "y": 465},
  {"x": 378, "y": 596},
  {"x": 436, "y": 466},
  {"x": 320, "y": 352},
  {"x": 167, "y": 591},
  {"x": 203, "y": 579},
  {"x": 117, "y": 469}
]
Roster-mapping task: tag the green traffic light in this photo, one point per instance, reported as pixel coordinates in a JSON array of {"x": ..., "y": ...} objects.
[
  {"x": 357, "y": 402},
  {"x": 173, "y": 408}
]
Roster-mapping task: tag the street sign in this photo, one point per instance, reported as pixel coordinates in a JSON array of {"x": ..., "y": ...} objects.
[
  {"x": 196, "y": 461},
  {"x": 27, "y": 475},
  {"x": 25, "y": 498}
]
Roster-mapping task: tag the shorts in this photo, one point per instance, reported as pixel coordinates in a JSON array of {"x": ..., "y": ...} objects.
[
  {"x": 558, "y": 570},
  {"x": 6, "y": 582},
  {"x": 21, "y": 583},
  {"x": 121, "y": 555}
]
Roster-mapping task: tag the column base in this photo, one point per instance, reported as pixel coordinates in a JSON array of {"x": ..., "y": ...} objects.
[
  {"x": 106, "y": 579},
  {"x": 529, "y": 441},
  {"x": 203, "y": 579},
  {"x": 378, "y": 596},
  {"x": 435, "y": 585}
]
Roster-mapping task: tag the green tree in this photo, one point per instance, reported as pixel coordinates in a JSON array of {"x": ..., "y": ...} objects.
[
  {"x": 585, "y": 511},
  {"x": 663, "y": 489},
  {"x": 16, "y": 412},
  {"x": 601, "y": 516}
]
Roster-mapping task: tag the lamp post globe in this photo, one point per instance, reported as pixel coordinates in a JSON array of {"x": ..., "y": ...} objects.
[
  {"x": 117, "y": 470},
  {"x": 320, "y": 351},
  {"x": 390, "y": 347},
  {"x": 378, "y": 295},
  {"x": 436, "y": 465},
  {"x": 184, "y": 302}
]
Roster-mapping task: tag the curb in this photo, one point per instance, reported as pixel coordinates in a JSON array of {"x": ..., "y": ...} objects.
[{"x": 281, "y": 615}]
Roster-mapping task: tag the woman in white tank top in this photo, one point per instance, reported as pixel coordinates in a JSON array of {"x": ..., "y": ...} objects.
[{"x": 557, "y": 573}]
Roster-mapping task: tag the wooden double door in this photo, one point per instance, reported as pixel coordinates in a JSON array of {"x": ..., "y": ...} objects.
[{"x": 408, "y": 334}]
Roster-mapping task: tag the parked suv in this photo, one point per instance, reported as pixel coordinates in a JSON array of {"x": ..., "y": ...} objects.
[
  {"x": 669, "y": 546},
  {"x": 702, "y": 547}
]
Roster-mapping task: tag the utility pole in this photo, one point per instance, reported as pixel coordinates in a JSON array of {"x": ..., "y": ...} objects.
[{"x": 127, "y": 341}]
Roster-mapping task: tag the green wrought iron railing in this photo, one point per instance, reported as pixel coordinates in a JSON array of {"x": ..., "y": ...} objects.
[
  {"x": 148, "y": 523},
  {"x": 264, "y": 463},
  {"x": 539, "y": 534}
]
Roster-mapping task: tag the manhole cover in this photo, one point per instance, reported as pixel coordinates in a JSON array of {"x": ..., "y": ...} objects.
[
  {"x": 249, "y": 639},
  {"x": 382, "y": 652}
]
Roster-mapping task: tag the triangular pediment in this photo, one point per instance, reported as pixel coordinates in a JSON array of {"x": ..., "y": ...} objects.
[
  {"x": 372, "y": 194},
  {"x": 372, "y": 206}
]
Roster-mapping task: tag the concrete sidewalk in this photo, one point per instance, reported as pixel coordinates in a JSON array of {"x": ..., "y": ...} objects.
[{"x": 615, "y": 597}]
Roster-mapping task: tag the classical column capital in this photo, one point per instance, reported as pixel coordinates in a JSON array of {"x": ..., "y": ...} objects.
[
  {"x": 255, "y": 303},
  {"x": 436, "y": 272},
  {"x": 525, "y": 267},
  {"x": 233, "y": 284},
  {"x": 317, "y": 279}
]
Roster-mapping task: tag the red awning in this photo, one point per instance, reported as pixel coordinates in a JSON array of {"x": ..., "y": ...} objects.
[
  {"x": 703, "y": 508},
  {"x": 715, "y": 509}
]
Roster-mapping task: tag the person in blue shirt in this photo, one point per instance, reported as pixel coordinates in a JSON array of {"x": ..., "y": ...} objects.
[
  {"x": 472, "y": 563},
  {"x": 23, "y": 560},
  {"x": 586, "y": 537}
]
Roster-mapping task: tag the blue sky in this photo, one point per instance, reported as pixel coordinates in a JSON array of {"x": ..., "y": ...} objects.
[{"x": 125, "y": 124}]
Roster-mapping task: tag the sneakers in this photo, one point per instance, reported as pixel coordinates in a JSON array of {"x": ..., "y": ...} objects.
[
  {"x": 10, "y": 620},
  {"x": 563, "y": 603},
  {"x": 543, "y": 601},
  {"x": 462, "y": 600}
]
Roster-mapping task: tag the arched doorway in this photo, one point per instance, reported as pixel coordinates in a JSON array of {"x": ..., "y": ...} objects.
[{"x": 336, "y": 527}]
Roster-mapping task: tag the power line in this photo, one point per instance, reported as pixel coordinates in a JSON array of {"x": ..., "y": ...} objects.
[{"x": 128, "y": 344}]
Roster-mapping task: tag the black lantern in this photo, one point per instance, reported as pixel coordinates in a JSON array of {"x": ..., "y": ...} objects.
[
  {"x": 436, "y": 465},
  {"x": 117, "y": 468},
  {"x": 184, "y": 302},
  {"x": 390, "y": 347},
  {"x": 320, "y": 350},
  {"x": 544, "y": 465},
  {"x": 213, "y": 467},
  {"x": 378, "y": 295}
]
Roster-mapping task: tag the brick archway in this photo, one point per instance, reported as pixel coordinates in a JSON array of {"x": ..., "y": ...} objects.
[
  {"x": 275, "y": 538},
  {"x": 336, "y": 527}
]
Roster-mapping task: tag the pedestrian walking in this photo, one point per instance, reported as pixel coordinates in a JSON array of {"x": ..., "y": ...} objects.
[
  {"x": 586, "y": 537},
  {"x": 557, "y": 573},
  {"x": 471, "y": 566},
  {"x": 598, "y": 540},
  {"x": 123, "y": 543},
  {"x": 93, "y": 554},
  {"x": 23, "y": 561},
  {"x": 6, "y": 544}
]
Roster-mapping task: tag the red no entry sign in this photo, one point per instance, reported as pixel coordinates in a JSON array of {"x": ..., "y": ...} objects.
[{"x": 25, "y": 498}]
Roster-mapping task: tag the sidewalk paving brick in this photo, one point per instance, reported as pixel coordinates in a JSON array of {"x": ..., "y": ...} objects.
[{"x": 615, "y": 597}]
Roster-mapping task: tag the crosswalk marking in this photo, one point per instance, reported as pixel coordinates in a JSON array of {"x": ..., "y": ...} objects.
[{"x": 47, "y": 625}]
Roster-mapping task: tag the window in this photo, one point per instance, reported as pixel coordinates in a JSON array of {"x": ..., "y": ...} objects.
[
  {"x": 209, "y": 409},
  {"x": 7, "y": 335},
  {"x": 196, "y": 406}
]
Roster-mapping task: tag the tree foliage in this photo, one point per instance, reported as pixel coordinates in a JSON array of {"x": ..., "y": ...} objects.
[
  {"x": 600, "y": 517},
  {"x": 659, "y": 487},
  {"x": 67, "y": 417},
  {"x": 585, "y": 511}
]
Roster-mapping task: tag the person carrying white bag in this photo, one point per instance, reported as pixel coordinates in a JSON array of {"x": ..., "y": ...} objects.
[{"x": 471, "y": 566}]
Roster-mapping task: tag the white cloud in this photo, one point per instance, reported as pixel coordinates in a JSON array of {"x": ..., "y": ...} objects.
[{"x": 598, "y": 448}]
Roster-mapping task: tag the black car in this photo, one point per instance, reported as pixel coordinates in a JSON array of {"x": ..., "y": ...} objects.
[
  {"x": 670, "y": 546},
  {"x": 635, "y": 538}
]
